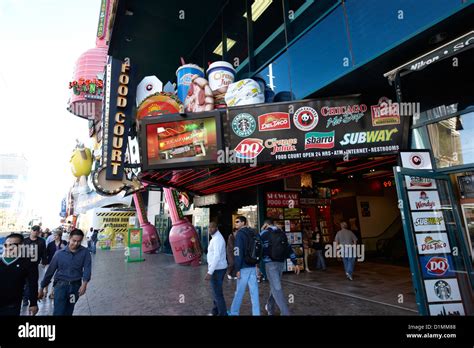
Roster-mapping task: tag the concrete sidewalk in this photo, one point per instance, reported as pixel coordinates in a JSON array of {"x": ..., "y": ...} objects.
[{"x": 158, "y": 286}]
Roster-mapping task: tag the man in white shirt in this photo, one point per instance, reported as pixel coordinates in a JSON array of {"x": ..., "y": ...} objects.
[{"x": 217, "y": 267}]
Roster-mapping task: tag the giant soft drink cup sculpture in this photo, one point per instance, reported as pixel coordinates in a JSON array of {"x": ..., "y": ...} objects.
[
  {"x": 183, "y": 238},
  {"x": 150, "y": 240}
]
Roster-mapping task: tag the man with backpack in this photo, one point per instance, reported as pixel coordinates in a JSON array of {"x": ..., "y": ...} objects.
[
  {"x": 276, "y": 250},
  {"x": 248, "y": 253}
]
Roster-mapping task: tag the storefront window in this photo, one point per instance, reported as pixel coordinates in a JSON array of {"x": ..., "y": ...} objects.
[
  {"x": 419, "y": 140},
  {"x": 235, "y": 30},
  {"x": 387, "y": 22},
  {"x": 451, "y": 140},
  {"x": 320, "y": 56}
]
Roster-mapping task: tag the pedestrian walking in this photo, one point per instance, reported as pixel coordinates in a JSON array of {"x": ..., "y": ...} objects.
[
  {"x": 307, "y": 246},
  {"x": 246, "y": 256},
  {"x": 346, "y": 240},
  {"x": 318, "y": 246},
  {"x": 94, "y": 239},
  {"x": 51, "y": 249},
  {"x": 15, "y": 271},
  {"x": 217, "y": 267},
  {"x": 276, "y": 249},
  {"x": 230, "y": 255},
  {"x": 37, "y": 247},
  {"x": 71, "y": 268}
]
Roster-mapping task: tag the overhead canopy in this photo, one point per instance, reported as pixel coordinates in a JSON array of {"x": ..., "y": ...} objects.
[
  {"x": 207, "y": 181},
  {"x": 449, "y": 49},
  {"x": 155, "y": 34}
]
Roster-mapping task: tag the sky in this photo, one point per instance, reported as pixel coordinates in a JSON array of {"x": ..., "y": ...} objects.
[{"x": 40, "y": 41}]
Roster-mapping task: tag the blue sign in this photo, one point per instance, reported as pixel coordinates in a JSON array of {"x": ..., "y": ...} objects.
[
  {"x": 437, "y": 266},
  {"x": 63, "y": 208}
]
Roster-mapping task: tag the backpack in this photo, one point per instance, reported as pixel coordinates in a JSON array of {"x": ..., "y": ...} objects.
[
  {"x": 278, "y": 245},
  {"x": 254, "y": 248}
]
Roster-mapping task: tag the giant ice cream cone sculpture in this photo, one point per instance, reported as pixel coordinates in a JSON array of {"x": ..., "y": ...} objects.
[
  {"x": 183, "y": 238},
  {"x": 150, "y": 240}
]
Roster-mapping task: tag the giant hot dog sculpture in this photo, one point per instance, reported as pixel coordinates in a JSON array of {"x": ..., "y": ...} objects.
[{"x": 183, "y": 238}]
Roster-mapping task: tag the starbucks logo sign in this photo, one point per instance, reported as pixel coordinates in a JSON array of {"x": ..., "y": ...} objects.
[{"x": 244, "y": 125}]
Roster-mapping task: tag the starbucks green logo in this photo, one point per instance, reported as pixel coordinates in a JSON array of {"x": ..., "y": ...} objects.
[{"x": 244, "y": 125}]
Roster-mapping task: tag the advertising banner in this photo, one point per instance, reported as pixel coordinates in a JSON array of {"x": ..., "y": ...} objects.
[
  {"x": 283, "y": 200},
  {"x": 432, "y": 243},
  {"x": 442, "y": 290},
  {"x": 424, "y": 200},
  {"x": 455, "y": 309},
  {"x": 428, "y": 221},
  {"x": 437, "y": 266},
  {"x": 134, "y": 248},
  {"x": 312, "y": 129},
  {"x": 173, "y": 141}
]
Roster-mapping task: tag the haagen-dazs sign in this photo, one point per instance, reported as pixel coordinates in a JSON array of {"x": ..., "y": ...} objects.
[
  {"x": 432, "y": 243},
  {"x": 428, "y": 221},
  {"x": 424, "y": 200}
]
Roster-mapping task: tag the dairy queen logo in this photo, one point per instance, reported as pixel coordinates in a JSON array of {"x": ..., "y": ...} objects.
[
  {"x": 249, "y": 148},
  {"x": 244, "y": 125},
  {"x": 437, "y": 266},
  {"x": 305, "y": 118}
]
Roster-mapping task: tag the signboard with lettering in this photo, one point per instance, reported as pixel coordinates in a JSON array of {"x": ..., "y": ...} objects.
[
  {"x": 121, "y": 105},
  {"x": 282, "y": 200},
  {"x": 312, "y": 129},
  {"x": 432, "y": 243},
  {"x": 424, "y": 200},
  {"x": 428, "y": 221}
]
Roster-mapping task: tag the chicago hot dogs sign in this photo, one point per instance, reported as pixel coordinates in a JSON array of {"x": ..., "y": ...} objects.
[{"x": 311, "y": 129}]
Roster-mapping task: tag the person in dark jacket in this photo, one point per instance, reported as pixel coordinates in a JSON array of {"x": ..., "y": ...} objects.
[
  {"x": 38, "y": 252},
  {"x": 230, "y": 255},
  {"x": 56, "y": 245},
  {"x": 274, "y": 268},
  {"x": 246, "y": 274},
  {"x": 15, "y": 270}
]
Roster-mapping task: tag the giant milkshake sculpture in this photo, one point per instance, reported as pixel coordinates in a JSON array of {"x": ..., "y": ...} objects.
[
  {"x": 150, "y": 239},
  {"x": 183, "y": 238}
]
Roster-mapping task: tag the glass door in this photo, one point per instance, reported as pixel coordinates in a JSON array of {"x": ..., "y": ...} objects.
[
  {"x": 468, "y": 215},
  {"x": 438, "y": 250}
]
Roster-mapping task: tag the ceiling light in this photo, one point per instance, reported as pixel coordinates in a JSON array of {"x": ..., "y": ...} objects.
[
  {"x": 351, "y": 176},
  {"x": 220, "y": 50},
  {"x": 258, "y": 7}
]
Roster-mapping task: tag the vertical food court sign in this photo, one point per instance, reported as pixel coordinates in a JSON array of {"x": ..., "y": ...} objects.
[{"x": 120, "y": 113}]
